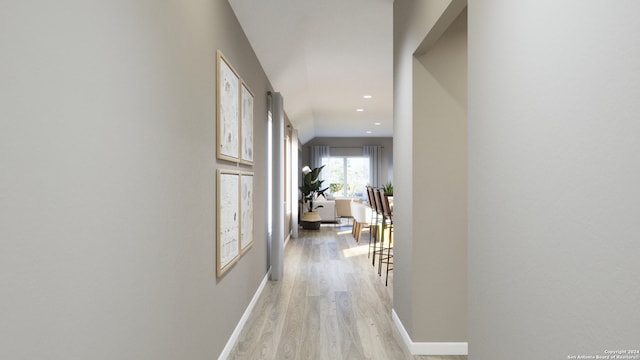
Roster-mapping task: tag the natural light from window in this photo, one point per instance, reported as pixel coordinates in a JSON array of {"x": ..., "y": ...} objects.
[{"x": 347, "y": 176}]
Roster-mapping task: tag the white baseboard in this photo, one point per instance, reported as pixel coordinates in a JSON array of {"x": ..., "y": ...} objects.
[
  {"x": 429, "y": 348},
  {"x": 243, "y": 320},
  {"x": 286, "y": 241}
]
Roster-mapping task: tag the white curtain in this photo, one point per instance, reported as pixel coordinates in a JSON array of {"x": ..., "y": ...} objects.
[
  {"x": 319, "y": 156},
  {"x": 374, "y": 153}
]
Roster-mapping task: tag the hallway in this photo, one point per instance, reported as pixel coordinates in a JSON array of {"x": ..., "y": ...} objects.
[{"x": 331, "y": 304}]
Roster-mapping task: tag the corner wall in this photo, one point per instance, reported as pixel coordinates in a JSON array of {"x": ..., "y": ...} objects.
[
  {"x": 430, "y": 191},
  {"x": 107, "y": 180},
  {"x": 440, "y": 196},
  {"x": 553, "y": 178}
]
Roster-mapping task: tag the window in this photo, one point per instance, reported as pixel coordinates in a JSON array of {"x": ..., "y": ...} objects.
[{"x": 347, "y": 176}]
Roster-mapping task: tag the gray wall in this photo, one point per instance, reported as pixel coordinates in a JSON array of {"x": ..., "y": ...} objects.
[
  {"x": 440, "y": 192},
  {"x": 430, "y": 199},
  {"x": 107, "y": 180},
  {"x": 553, "y": 178}
]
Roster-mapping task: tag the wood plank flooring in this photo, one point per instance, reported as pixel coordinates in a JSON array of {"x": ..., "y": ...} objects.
[{"x": 330, "y": 304}]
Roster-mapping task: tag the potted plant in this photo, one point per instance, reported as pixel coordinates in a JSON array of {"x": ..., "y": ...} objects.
[
  {"x": 311, "y": 188},
  {"x": 388, "y": 188}
]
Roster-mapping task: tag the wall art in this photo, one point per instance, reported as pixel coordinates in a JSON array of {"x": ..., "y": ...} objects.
[
  {"x": 246, "y": 209},
  {"x": 228, "y": 110},
  {"x": 246, "y": 125},
  {"x": 228, "y": 220}
]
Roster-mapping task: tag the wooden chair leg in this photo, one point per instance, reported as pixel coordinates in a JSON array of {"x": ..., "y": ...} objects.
[{"x": 359, "y": 231}]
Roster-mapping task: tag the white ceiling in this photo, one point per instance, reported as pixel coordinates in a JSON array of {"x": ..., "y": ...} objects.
[{"x": 323, "y": 56}]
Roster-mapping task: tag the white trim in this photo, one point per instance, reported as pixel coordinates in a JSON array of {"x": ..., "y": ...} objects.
[
  {"x": 286, "y": 241},
  {"x": 433, "y": 348},
  {"x": 429, "y": 348},
  {"x": 403, "y": 333},
  {"x": 243, "y": 320}
]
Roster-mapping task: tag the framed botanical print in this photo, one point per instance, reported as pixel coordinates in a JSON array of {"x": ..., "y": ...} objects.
[
  {"x": 246, "y": 210},
  {"x": 228, "y": 110},
  {"x": 228, "y": 220},
  {"x": 246, "y": 125}
]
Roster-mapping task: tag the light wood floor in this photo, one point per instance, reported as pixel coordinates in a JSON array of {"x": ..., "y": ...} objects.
[{"x": 330, "y": 304}]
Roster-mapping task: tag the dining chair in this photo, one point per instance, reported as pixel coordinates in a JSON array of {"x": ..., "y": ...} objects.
[
  {"x": 373, "y": 222},
  {"x": 388, "y": 215},
  {"x": 355, "y": 220},
  {"x": 360, "y": 219},
  {"x": 380, "y": 220}
]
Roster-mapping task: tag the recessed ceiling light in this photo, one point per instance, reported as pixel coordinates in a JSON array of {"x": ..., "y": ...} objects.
[
  {"x": 377, "y": 124},
  {"x": 368, "y": 131},
  {"x": 367, "y": 96},
  {"x": 359, "y": 110}
]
